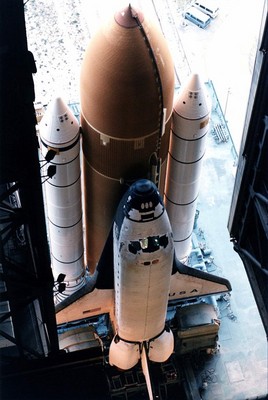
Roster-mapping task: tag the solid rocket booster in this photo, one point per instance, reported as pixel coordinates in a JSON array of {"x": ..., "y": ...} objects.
[
  {"x": 127, "y": 85},
  {"x": 60, "y": 147},
  {"x": 190, "y": 125},
  {"x": 143, "y": 258}
]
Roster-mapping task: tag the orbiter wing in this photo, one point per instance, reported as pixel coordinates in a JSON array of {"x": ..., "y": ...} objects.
[{"x": 187, "y": 282}]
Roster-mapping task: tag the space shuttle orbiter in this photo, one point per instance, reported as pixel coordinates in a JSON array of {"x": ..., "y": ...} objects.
[{"x": 145, "y": 276}]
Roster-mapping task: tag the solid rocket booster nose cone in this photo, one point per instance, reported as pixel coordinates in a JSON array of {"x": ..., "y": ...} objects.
[
  {"x": 193, "y": 102},
  {"x": 195, "y": 83},
  {"x": 127, "y": 17},
  {"x": 58, "y": 126},
  {"x": 57, "y": 106}
]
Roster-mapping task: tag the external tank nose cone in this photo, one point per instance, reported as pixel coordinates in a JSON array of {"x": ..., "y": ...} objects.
[
  {"x": 120, "y": 93},
  {"x": 128, "y": 17}
]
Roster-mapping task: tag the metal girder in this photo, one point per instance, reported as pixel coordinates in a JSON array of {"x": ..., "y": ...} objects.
[
  {"x": 248, "y": 219},
  {"x": 27, "y": 285}
]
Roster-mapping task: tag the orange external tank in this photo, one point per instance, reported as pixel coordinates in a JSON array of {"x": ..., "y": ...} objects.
[{"x": 126, "y": 88}]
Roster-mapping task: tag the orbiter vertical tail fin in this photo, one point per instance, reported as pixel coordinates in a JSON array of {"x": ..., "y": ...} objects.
[{"x": 145, "y": 370}]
